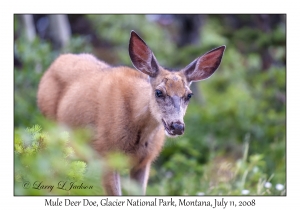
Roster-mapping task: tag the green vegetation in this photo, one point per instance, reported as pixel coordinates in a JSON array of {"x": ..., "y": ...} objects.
[{"x": 235, "y": 139}]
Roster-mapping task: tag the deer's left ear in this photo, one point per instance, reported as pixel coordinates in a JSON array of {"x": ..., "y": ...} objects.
[
  {"x": 141, "y": 56},
  {"x": 204, "y": 66}
]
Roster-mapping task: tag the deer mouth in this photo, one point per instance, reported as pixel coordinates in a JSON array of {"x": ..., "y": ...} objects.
[
  {"x": 174, "y": 129},
  {"x": 168, "y": 131}
]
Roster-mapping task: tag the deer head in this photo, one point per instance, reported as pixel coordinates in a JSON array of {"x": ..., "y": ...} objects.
[{"x": 170, "y": 89}]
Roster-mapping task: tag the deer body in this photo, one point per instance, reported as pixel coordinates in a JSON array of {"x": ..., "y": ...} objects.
[{"x": 129, "y": 111}]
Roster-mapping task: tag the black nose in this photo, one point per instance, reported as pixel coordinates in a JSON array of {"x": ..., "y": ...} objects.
[{"x": 177, "y": 128}]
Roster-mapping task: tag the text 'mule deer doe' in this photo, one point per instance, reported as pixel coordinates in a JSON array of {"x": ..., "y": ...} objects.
[{"x": 129, "y": 111}]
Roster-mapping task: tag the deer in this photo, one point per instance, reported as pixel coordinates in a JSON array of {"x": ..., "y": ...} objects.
[{"x": 129, "y": 110}]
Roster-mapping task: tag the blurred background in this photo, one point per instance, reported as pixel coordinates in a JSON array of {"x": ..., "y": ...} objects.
[{"x": 235, "y": 138}]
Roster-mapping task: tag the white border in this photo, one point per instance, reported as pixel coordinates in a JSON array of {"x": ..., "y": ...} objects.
[{"x": 154, "y": 6}]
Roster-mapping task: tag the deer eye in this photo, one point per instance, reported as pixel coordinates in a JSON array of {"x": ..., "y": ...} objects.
[
  {"x": 158, "y": 93},
  {"x": 189, "y": 96}
]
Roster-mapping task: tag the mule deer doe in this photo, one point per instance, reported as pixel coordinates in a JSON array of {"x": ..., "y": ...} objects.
[{"x": 130, "y": 111}]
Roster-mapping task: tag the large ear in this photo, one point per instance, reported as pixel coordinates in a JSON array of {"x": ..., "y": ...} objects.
[
  {"x": 141, "y": 56},
  {"x": 204, "y": 66}
]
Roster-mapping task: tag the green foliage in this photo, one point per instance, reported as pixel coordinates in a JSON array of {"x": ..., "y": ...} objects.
[
  {"x": 115, "y": 29},
  {"x": 223, "y": 175},
  {"x": 45, "y": 159},
  {"x": 49, "y": 163}
]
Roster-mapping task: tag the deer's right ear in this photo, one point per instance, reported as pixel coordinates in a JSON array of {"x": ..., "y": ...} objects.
[
  {"x": 141, "y": 56},
  {"x": 204, "y": 66}
]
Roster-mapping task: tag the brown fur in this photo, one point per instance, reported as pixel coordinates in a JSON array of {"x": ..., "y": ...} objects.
[{"x": 119, "y": 104}]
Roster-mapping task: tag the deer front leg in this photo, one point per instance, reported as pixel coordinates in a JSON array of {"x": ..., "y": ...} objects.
[
  {"x": 111, "y": 182},
  {"x": 141, "y": 175}
]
